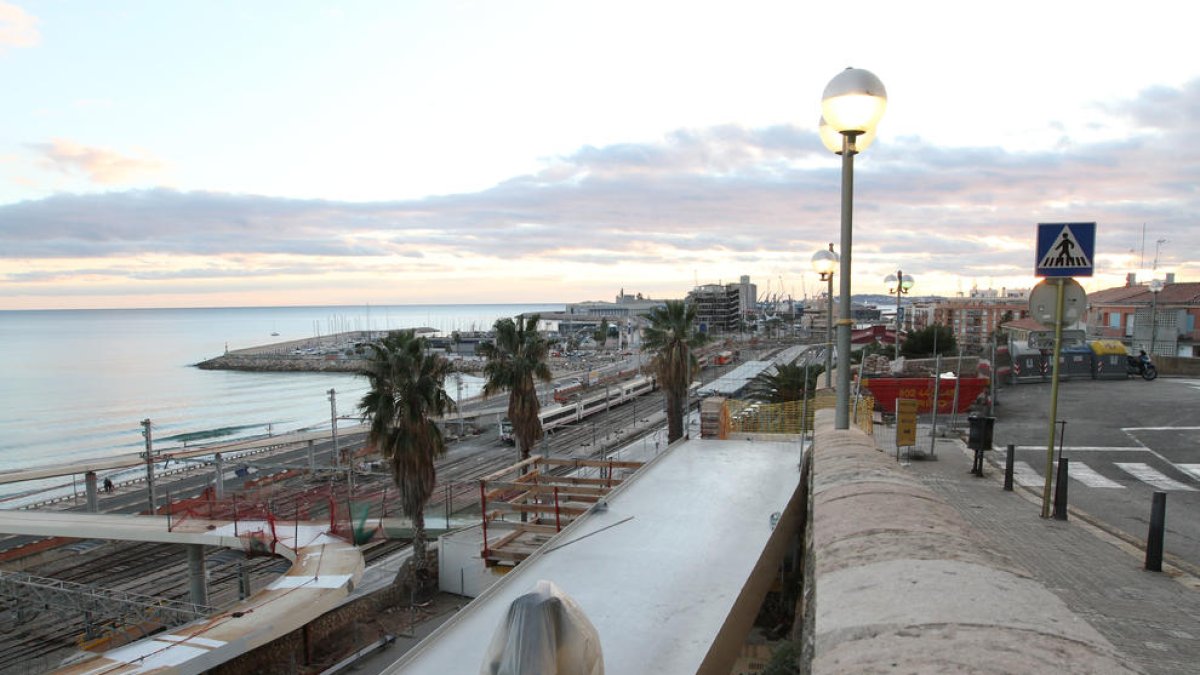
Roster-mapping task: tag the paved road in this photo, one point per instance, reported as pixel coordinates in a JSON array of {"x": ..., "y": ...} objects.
[{"x": 1125, "y": 440}]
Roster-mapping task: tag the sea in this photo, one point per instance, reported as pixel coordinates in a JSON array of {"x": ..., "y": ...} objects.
[{"x": 76, "y": 384}]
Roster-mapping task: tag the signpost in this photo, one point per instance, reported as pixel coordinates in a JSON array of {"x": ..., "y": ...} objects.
[
  {"x": 1064, "y": 250},
  {"x": 906, "y": 423}
]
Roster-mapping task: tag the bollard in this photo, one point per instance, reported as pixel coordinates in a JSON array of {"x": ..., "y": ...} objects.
[
  {"x": 1154, "y": 539},
  {"x": 1060, "y": 490},
  {"x": 1008, "y": 467}
]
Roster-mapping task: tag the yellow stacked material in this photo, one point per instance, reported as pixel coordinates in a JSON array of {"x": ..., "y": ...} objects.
[{"x": 1102, "y": 347}]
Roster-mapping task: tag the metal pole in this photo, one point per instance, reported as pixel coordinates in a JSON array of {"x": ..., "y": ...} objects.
[
  {"x": 1153, "y": 320},
  {"x": 829, "y": 333},
  {"x": 149, "y": 463},
  {"x": 937, "y": 394},
  {"x": 219, "y": 485},
  {"x": 458, "y": 404},
  {"x": 333, "y": 422},
  {"x": 842, "y": 411},
  {"x": 899, "y": 292},
  {"x": 1058, "y": 312},
  {"x": 1009, "y": 460},
  {"x": 1060, "y": 490},
  {"x": 992, "y": 398},
  {"x": 1154, "y": 539},
  {"x": 89, "y": 481}
]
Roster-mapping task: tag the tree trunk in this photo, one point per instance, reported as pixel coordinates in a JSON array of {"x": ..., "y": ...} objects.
[
  {"x": 674, "y": 417},
  {"x": 420, "y": 576}
]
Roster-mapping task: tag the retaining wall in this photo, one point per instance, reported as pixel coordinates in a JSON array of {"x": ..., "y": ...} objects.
[{"x": 897, "y": 581}]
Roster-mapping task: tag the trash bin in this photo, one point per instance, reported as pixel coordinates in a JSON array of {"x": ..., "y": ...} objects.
[{"x": 979, "y": 432}]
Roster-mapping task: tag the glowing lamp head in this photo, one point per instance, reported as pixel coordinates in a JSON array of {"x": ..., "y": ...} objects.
[
  {"x": 832, "y": 140},
  {"x": 824, "y": 262},
  {"x": 854, "y": 101}
]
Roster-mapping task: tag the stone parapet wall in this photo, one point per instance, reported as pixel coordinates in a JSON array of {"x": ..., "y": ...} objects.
[{"x": 898, "y": 582}]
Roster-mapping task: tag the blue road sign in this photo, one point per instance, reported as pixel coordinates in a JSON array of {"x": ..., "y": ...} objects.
[{"x": 1065, "y": 249}]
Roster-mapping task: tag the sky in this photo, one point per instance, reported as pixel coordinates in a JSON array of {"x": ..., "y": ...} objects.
[{"x": 200, "y": 154}]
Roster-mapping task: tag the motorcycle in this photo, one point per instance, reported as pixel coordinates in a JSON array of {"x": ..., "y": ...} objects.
[{"x": 1135, "y": 366}]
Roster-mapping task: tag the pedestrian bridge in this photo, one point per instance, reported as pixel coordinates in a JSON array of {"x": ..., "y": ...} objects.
[{"x": 325, "y": 570}]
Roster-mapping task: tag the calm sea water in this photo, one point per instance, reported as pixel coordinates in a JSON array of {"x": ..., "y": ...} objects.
[{"x": 74, "y": 384}]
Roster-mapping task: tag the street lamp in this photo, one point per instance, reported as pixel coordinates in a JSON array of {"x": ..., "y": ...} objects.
[
  {"x": 899, "y": 284},
  {"x": 1155, "y": 287},
  {"x": 824, "y": 262},
  {"x": 851, "y": 106}
]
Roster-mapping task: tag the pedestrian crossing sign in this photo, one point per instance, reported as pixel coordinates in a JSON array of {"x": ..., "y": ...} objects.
[{"x": 1065, "y": 249}]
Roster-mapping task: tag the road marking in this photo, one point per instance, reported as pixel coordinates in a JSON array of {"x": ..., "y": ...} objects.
[
  {"x": 1146, "y": 474},
  {"x": 1084, "y": 474},
  {"x": 1160, "y": 428},
  {"x": 1089, "y": 448},
  {"x": 1192, "y": 470},
  {"x": 1026, "y": 476}
]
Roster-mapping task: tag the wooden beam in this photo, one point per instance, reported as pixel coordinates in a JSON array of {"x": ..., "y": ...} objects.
[
  {"x": 546, "y": 508},
  {"x": 549, "y": 488},
  {"x": 618, "y": 464},
  {"x": 533, "y": 459}
]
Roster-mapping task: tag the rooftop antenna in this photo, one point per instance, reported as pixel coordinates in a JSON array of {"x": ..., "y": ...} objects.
[
  {"x": 1142, "y": 258},
  {"x": 1157, "y": 246}
]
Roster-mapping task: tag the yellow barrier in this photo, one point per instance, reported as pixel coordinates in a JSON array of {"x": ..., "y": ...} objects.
[{"x": 792, "y": 417}]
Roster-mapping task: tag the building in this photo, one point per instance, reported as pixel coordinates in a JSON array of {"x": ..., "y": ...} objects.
[
  {"x": 724, "y": 308},
  {"x": 1162, "y": 323},
  {"x": 624, "y": 306},
  {"x": 973, "y": 319}
]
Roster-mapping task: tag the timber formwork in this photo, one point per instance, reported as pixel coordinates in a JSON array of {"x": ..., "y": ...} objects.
[{"x": 527, "y": 503}]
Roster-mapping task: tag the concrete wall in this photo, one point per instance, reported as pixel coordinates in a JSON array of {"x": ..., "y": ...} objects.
[
  {"x": 898, "y": 582},
  {"x": 1177, "y": 365}
]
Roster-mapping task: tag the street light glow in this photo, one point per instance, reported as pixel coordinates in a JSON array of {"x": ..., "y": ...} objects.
[{"x": 854, "y": 101}]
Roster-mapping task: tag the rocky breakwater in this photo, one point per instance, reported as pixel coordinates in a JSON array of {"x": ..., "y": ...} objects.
[{"x": 282, "y": 364}]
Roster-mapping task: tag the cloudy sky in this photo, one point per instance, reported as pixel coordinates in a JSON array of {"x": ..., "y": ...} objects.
[{"x": 174, "y": 154}]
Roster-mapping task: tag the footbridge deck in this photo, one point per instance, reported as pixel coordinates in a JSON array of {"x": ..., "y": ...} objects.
[{"x": 325, "y": 570}]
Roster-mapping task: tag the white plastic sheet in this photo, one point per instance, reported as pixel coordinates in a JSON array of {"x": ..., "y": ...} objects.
[{"x": 544, "y": 633}]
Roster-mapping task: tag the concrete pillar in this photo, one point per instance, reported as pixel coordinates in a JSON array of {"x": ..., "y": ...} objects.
[
  {"x": 219, "y": 484},
  {"x": 244, "y": 580},
  {"x": 93, "y": 504},
  {"x": 197, "y": 578}
]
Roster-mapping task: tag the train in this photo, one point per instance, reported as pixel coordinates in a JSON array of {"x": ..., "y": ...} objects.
[
  {"x": 561, "y": 415},
  {"x": 572, "y": 390}
]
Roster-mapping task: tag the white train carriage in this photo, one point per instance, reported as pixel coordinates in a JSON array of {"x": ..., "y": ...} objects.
[{"x": 623, "y": 392}]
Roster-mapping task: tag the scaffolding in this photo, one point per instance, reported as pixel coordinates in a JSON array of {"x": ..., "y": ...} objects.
[{"x": 548, "y": 494}]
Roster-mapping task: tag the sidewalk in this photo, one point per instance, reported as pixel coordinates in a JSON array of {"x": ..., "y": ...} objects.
[{"x": 1152, "y": 618}]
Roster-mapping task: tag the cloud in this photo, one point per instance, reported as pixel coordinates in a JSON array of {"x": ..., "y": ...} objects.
[
  {"x": 18, "y": 28},
  {"x": 698, "y": 203},
  {"x": 99, "y": 165}
]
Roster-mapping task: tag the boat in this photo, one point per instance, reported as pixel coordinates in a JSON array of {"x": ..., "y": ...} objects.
[{"x": 886, "y": 390}]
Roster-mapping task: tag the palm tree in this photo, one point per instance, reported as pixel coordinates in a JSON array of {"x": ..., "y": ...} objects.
[
  {"x": 407, "y": 392},
  {"x": 787, "y": 382},
  {"x": 514, "y": 360},
  {"x": 671, "y": 337}
]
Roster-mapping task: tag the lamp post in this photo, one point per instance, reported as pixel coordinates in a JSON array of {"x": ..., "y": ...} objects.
[
  {"x": 851, "y": 106},
  {"x": 899, "y": 283},
  {"x": 824, "y": 262},
  {"x": 1155, "y": 287}
]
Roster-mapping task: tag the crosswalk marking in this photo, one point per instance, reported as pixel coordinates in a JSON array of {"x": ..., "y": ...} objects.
[
  {"x": 1190, "y": 469},
  {"x": 1086, "y": 475},
  {"x": 1146, "y": 474},
  {"x": 1025, "y": 476}
]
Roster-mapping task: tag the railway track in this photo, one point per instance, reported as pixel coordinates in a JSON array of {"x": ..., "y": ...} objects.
[{"x": 34, "y": 642}]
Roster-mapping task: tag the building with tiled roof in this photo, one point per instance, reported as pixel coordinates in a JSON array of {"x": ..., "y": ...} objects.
[{"x": 1162, "y": 322}]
